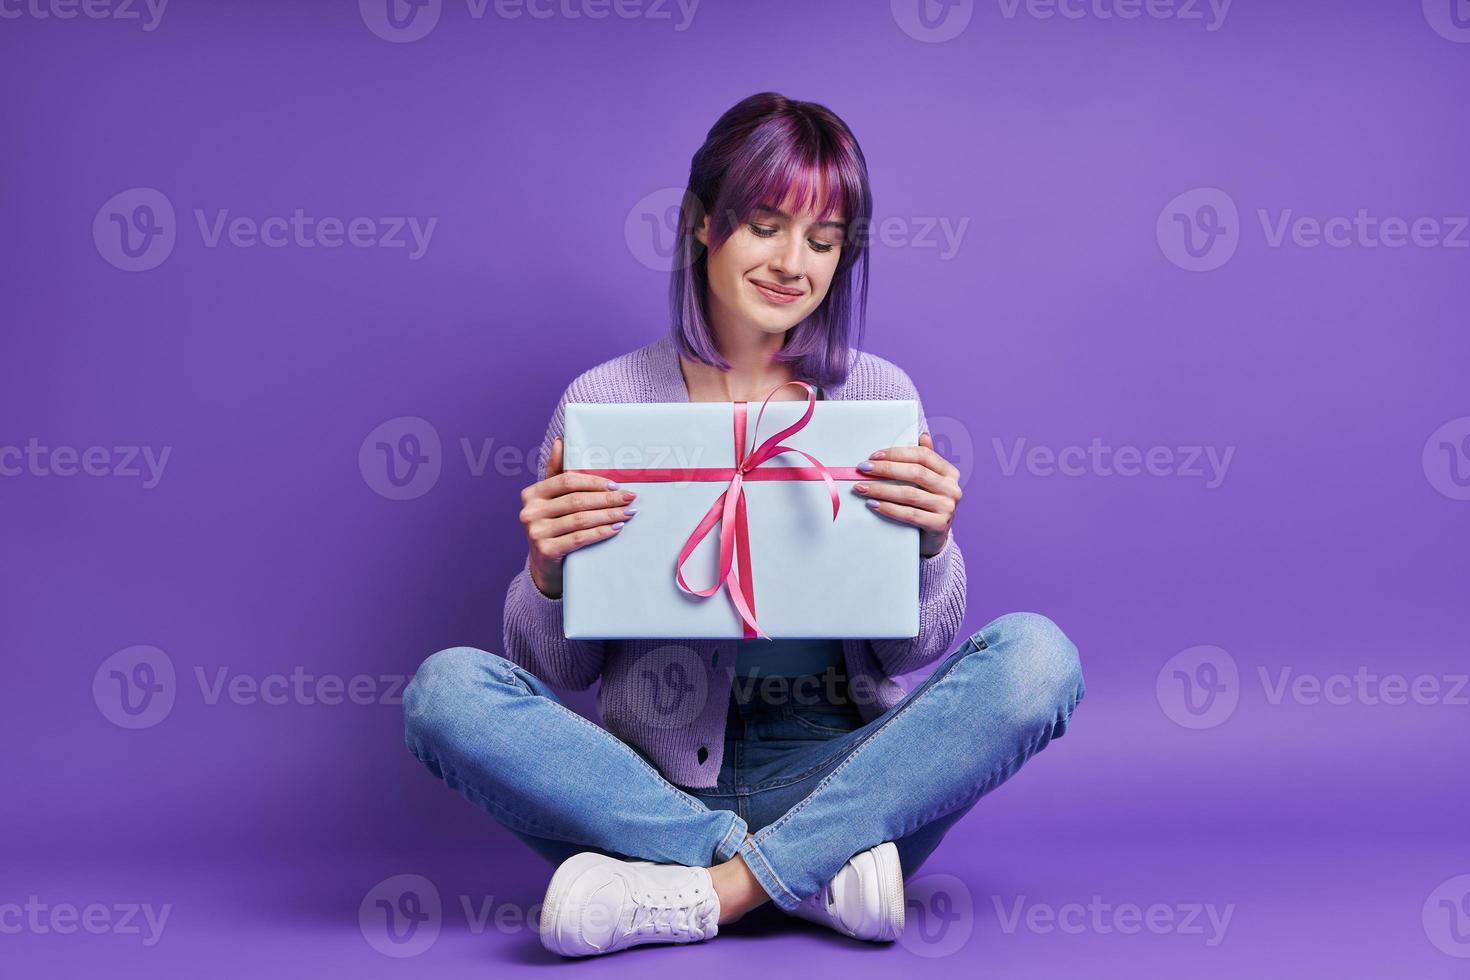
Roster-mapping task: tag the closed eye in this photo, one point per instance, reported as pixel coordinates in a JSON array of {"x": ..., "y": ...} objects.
[{"x": 766, "y": 231}]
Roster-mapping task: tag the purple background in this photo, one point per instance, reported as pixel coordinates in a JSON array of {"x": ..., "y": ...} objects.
[{"x": 1334, "y": 542}]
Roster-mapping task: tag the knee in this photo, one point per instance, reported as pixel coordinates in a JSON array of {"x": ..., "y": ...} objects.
[
  {"x": 1039, "y": 661},
  {"x": 437, "y": 695}
]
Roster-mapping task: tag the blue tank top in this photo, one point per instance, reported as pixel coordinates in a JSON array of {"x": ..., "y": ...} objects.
[{"x": 786, "y": 658}]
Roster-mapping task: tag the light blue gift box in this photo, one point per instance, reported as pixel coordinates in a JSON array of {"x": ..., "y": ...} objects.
[{"x": 814, "y": 577}]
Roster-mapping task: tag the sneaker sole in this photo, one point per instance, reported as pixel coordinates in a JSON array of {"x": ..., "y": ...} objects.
[
  {"x": 890, "y": 890},
  {"x": 551, "y": 907}
]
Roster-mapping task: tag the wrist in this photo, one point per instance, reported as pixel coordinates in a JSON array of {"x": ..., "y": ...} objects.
[
  {"x": 547, "y": 582},
  {"x": 929, "y": 550}
]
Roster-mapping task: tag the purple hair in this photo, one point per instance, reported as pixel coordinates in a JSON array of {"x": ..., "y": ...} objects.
[{"x": 756, "y": 154}]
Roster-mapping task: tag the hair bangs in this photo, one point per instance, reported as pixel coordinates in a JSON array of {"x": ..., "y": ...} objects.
[
  {"x": 798, "y": 157},
  {"x": 788, "y": 170}
]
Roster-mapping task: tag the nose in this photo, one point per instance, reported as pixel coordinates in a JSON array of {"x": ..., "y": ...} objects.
[{"x": 790, "y": 260}]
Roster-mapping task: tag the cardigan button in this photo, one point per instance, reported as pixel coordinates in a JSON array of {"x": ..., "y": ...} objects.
[{"x": 703, "y": 754}]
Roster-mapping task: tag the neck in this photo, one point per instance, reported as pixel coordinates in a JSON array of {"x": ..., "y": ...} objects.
[{"x": 751, "y": 354}]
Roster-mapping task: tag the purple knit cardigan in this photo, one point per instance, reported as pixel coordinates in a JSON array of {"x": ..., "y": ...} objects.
[{"x": 688, "y": 743}]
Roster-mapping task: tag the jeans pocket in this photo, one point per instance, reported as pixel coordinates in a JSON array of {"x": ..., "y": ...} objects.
[{"x": 829, "y": 724}]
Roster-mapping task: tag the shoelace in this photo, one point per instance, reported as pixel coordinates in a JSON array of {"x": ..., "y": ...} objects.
[{"x": 690, "y": 919}]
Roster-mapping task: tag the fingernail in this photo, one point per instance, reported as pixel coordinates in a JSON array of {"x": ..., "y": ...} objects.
[
  {"x": 861, "y": 488},
  {"x": 630, "y": 511},
  {"x": 629, "y": 494},
  {"x": 879, "y": 454},
  {"x": 611, "y": 485},
  {"x": 865, "y": 465},
  {"x": 619, "y": 524},
  {"x": 872, "y": 505}
]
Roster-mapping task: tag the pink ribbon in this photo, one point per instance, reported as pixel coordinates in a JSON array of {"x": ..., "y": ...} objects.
[{"x": 728, "y": 510}]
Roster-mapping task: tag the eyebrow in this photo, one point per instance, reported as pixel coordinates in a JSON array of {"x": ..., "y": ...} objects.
[{"x": 769, "y": 209}]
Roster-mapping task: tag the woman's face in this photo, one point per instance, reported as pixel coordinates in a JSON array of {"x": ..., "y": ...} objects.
[{"x": 775, "y": 269}]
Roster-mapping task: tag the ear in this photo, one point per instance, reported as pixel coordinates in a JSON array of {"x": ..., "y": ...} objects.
[{"x": 701, "y": 231}]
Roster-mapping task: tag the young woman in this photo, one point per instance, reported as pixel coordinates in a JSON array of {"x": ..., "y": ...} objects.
[{"x": 707, "y": 795}]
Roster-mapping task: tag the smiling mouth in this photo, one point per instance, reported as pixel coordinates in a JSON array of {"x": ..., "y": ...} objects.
[{"x": 775, "y": 293}]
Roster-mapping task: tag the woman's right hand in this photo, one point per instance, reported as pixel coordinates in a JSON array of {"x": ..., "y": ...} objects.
[{"x": 567, "y": 511}]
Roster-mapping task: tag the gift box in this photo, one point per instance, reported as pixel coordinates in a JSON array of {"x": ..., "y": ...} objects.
[{"x": 770, "y": 541}]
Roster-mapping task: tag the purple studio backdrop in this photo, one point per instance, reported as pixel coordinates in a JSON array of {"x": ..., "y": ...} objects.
[{"x": 1182, "y": 283}]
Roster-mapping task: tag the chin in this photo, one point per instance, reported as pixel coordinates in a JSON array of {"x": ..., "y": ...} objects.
[{"x": 776, "y": 321}]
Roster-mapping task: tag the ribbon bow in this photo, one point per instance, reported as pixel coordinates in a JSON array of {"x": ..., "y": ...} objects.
[{"x": 728, "y": 510}]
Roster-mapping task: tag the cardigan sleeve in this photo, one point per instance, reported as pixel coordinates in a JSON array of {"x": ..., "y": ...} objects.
[
  {"x": 533, "y": 632},
  {"x": 942, "y": 589}
]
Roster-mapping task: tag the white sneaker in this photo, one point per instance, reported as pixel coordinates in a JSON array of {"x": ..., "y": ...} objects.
[
  {"x": 865, "y": 898},
  {"x": 598, "y": 904}
]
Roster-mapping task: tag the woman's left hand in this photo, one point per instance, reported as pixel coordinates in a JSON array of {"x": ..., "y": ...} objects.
[{"x": 930, "y": 505}]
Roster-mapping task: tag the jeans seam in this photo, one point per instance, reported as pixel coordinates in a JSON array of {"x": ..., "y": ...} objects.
[
  {"x": 746, "y": 850},
  {"x": 767, "y": 831},
  {"x": 985, "y": 785},
  {"x": 738, "y": 828},
  {"x": 821, "y": 729},
  {"x": 510, "y": 818},
  {"x": 514, "y": 820},
  {"x": 663, "y": 783},
  {"x": 978, "y": 791},
  {"x": 780, "y": 782}
]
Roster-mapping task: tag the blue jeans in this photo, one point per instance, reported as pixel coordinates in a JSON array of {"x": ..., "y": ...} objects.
[{"x": 810, "y": 781}]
